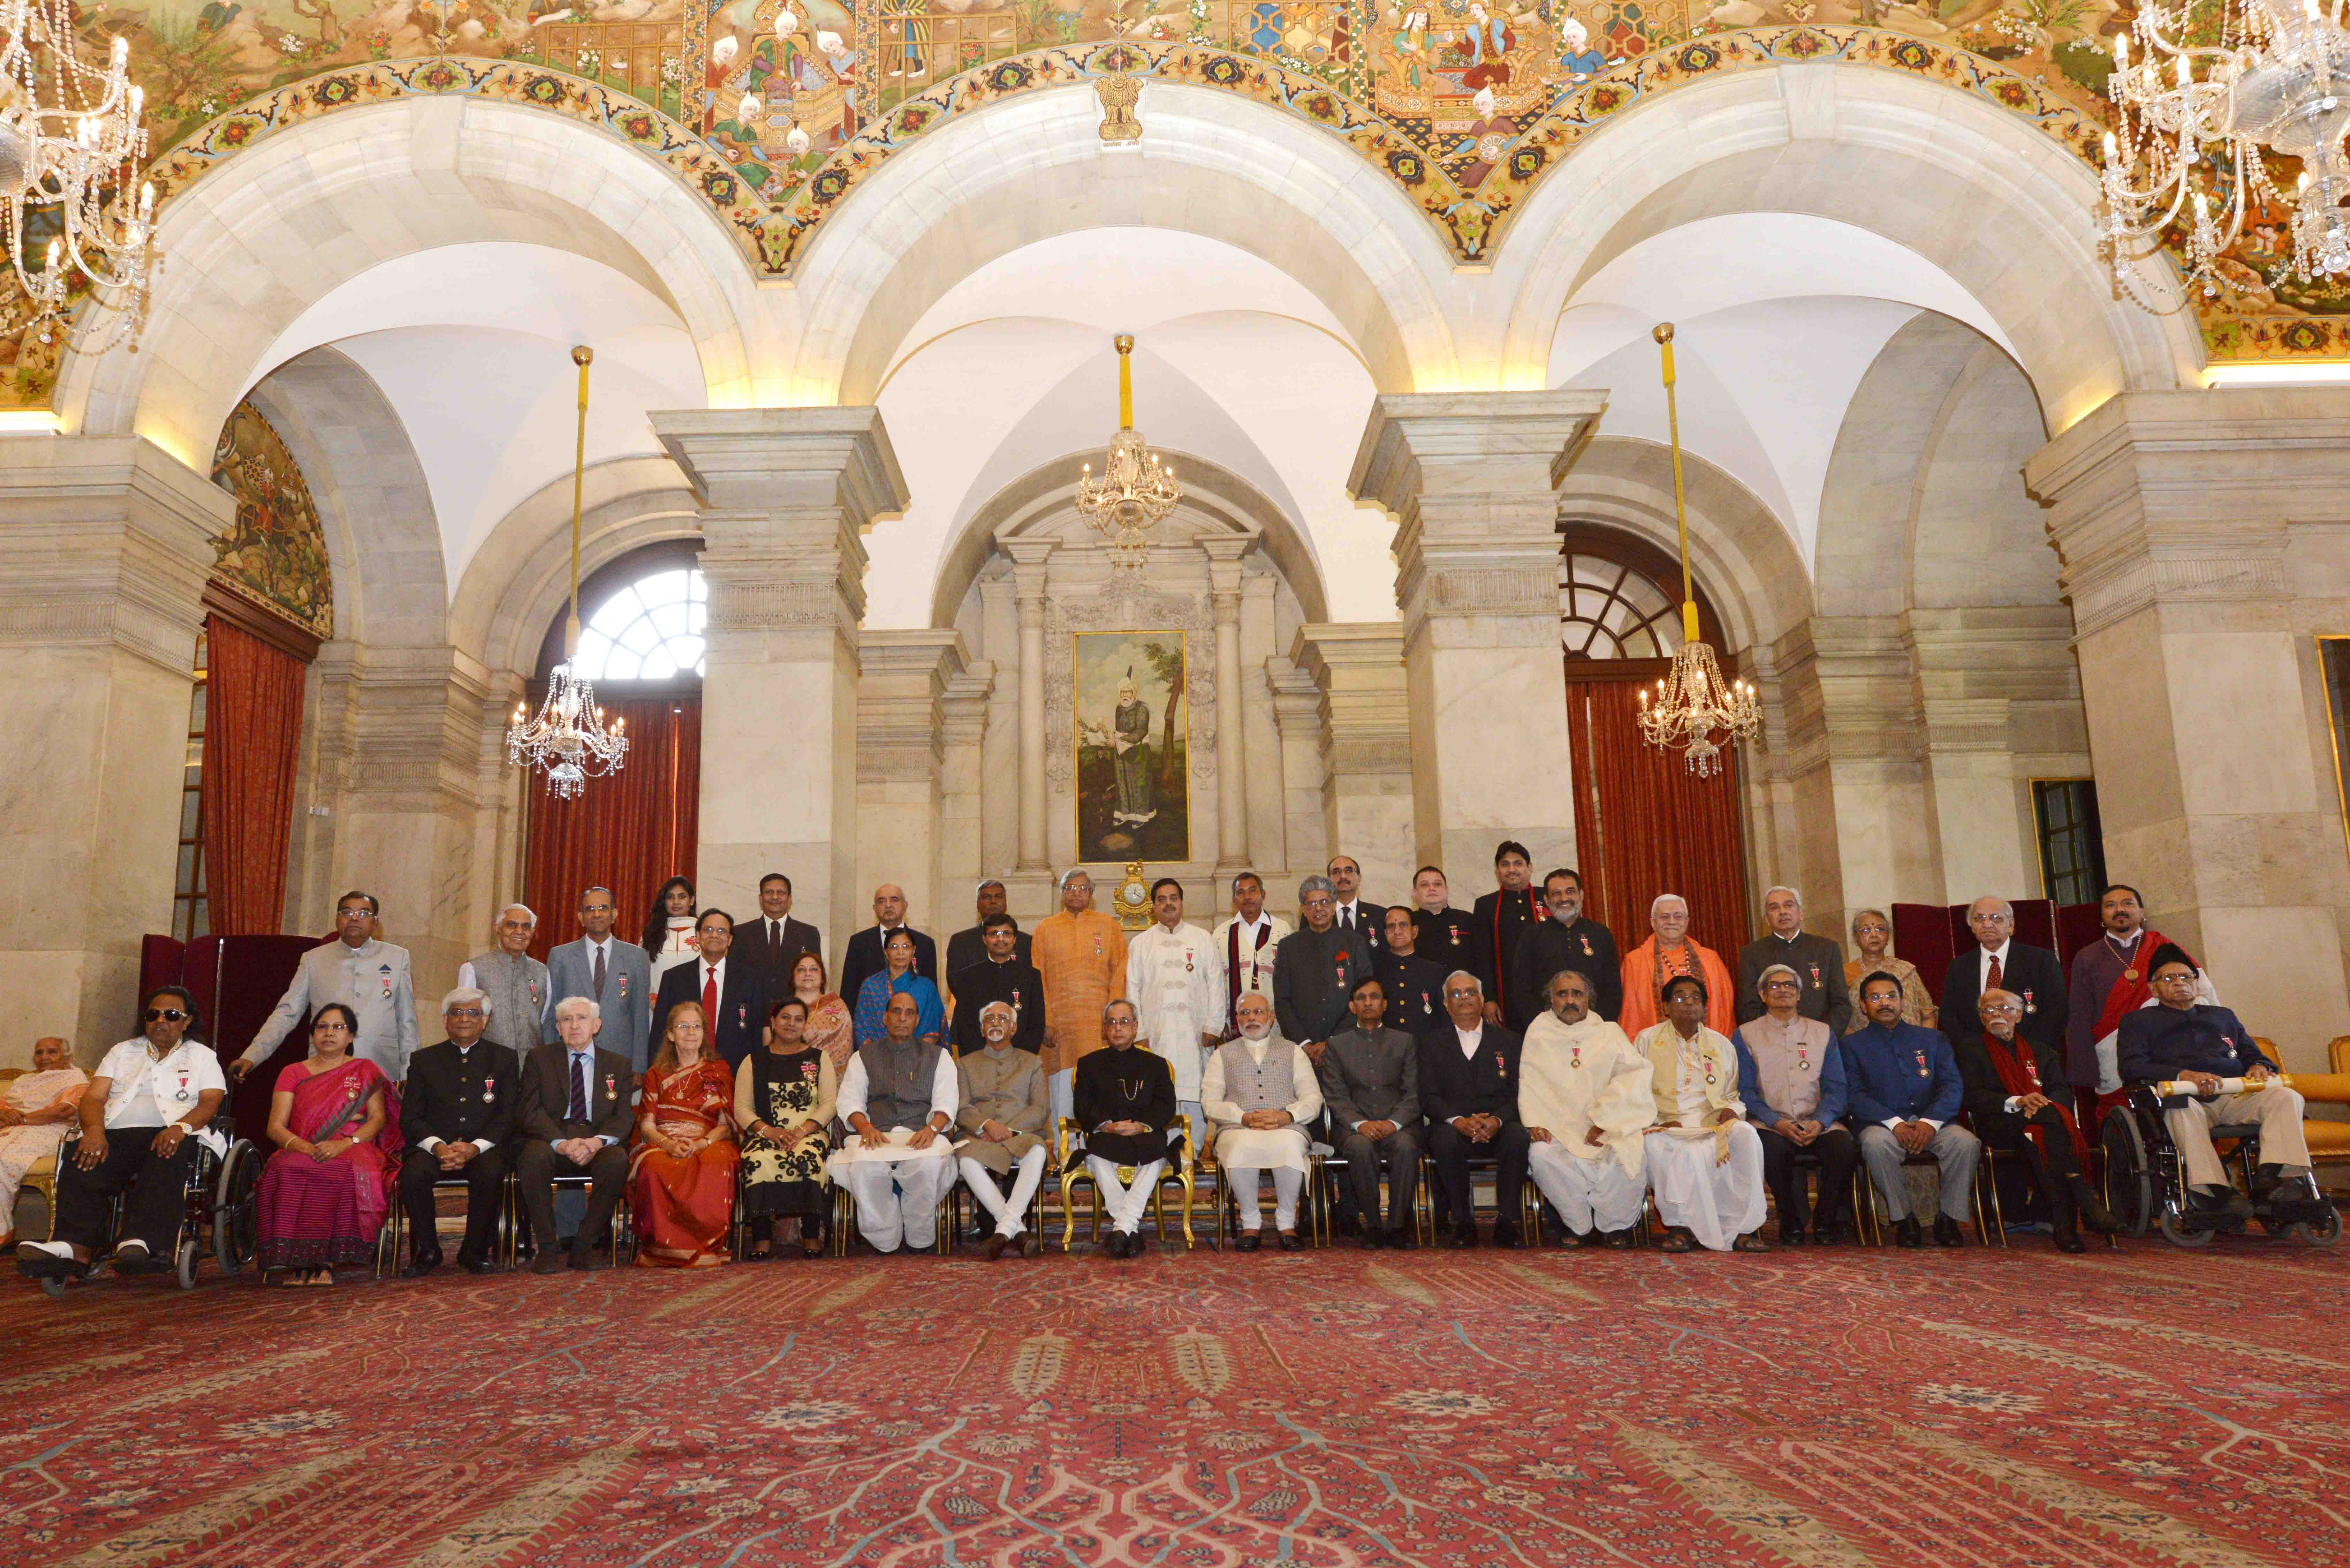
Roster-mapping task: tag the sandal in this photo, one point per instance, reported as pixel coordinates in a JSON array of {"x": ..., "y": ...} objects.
[
  {"x": 1676, "y": 1242},
  {"x": 321, "y": 1279},
  {"x": 1752, "y": 1241}
]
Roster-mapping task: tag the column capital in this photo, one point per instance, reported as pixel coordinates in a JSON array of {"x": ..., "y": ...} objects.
[
  {"x": 1225, "y": 552},
  {"x": 1359, "y": 668},
  {"x": 2188, "y": 497},
  {"x": 1028, "y": 572},
  {"x": 902, "y": 685},
  {"x": 771, "y": 460}
]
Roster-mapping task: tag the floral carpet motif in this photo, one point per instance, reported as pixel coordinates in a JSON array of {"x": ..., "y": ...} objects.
[{"x": 1325, "y": 1409}]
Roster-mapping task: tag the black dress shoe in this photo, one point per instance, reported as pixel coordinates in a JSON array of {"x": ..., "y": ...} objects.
[
  {"x": 1507, "y": 1236},
  {"x": 583, "y": 1258},
  {"x": 1792, "y": 1236},
  {"x": 549, "y": 1261},
  {"x": 2218, "y": 1204},
  {"x": 1287, "y": 1241},
  {"x": 1594, "y": 1237},
  {"x": 2068, "y": 1239},
  {"x": 422, "y": 1265},
  {"x": 1464, "y": 1237},
  {"x": 1398, "y": 1240},
  {"x": 1907, "y": 1234},
  {"x": 2090, "y": 1206},
  {"x": 1373, "y": 1241},
  {"x": 477, "y": 1265},
  {"x": 1946, "y": 1232},
  {"x": 1249, "y": 1243},
  {"x": 1828, "y": 1235}
]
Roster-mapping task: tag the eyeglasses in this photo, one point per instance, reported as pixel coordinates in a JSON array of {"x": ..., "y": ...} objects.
[
  {"x": 334, "y": 1028},
  {"x": 354, "y": 914},
  {"x": 1783, "y": 985},
  {"x": 165, "y": 1015},
  {"x": 463, "y": 1012}
]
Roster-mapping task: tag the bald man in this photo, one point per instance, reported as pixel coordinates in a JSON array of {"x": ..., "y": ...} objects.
[
  {"x": 516, "y": 983},
  {"x": 863, "y": 959},
  {"x": 1998, "y": 962}
]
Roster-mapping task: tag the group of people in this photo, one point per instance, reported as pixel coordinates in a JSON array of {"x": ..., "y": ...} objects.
[{"x": 707, "y": 1068}]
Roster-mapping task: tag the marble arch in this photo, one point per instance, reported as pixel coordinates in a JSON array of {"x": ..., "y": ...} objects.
[
  {"x": 254, "y": 244},
  {"x": 2004, "y": 209},
  {"x": 1035, "y": 166}
]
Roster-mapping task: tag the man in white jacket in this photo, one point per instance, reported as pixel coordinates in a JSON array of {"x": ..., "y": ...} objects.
[
  {"x": 1585, "y": 1098},
  {"x": 1175, "y": 978},
  {"x": 1261, "y": 1092}
]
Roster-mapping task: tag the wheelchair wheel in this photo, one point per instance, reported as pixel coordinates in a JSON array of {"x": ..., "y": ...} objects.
[
  {"x": 2179, "y": 1235},
  {"x": 52, "y": 1286},
  {"x": 2129, "y": 1174},
  {"x": 2321, "y": 1233},
  {"x": 235, "y": 1222},
  {"x": 190, "y": 1249}
]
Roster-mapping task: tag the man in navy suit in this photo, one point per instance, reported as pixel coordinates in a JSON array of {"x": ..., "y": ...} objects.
[
  {"x": 733, "y": 993},
  {"x": 1903, "y": 1084},
  {"x": 864, "y": 958},
  {"x": 1998, "y": 962}
]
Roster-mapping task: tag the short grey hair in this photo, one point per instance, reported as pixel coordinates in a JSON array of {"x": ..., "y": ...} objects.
[
  {"x": 1881, "y": 916},
  {"x": 1120, "y": 1001},
  {"x": 1072, "y": 871},
  {"x": 467, "y": 993},
  {"x": 526, "y": 909},
  {"x": 1313, "y": 885},
  {"x": 1796, "y": 893},
  {"x": 1464, "y": 974},
  {"x": 1763, "y": 981},
  {"x": 594, "y": 1009},
  {"x": 1003, "y": 1007},
  {"x": 1658, "y": 902}
]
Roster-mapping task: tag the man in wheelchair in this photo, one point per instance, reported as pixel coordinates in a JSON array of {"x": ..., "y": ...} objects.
[{"x": 2182, "y": 1040}]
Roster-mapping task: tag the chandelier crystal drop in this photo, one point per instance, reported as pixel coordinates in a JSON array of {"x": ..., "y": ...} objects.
[
  {"x": 71, "y": 144},
  {"x": 569, "y": 740},
  {"x": 1693, "y": 704},
  {"x": 1136, "y": 490},
  {"x": 2211, "y": 90}
]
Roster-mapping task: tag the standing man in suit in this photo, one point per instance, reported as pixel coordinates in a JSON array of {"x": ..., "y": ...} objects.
[
  {"x": 1248, "y": 938},
  {"x": 1348, "y": 910},
  {"x": 1411, "y": 987},
  {"x": 774, "y": 944},
  {"x": 617, "y": 976},
  {"x": 1998, "y": 962},
  {"x": 1818, "y": 963},
  {"x": 457, "y": 1114},
  {"x": 573, "y": 1117},
  {"x": 1370, "y": 1086},
  {"x": 864, "y": 958},
  {"x": 969, "y": 946},
  {"x": 368, "y": 976},
  {"x": 1503, "y": 918},
  {"x": 1565, "y": 940},
  {"x": 1001, "y": 974},
  {"x": 1468, "y": 1087},
  {"x": 1446, "y": 937},
  {"x": 516, "y": 983},
  {"x": 733, "y": 993},
  {"x": 1315, "y": 971}
]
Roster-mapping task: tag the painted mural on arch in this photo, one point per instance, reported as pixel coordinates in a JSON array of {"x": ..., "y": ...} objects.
[
  {"x": 276, "y": 555},
  {"x": 773, "y": 110}
]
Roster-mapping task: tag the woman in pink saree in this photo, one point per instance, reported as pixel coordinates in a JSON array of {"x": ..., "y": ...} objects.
[{"x": 335, "y": 1118}]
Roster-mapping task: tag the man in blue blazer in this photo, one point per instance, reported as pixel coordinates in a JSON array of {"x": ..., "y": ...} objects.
[
  {"x": 616, "y": 975},
  {"x": 1904, "y": 1088}
]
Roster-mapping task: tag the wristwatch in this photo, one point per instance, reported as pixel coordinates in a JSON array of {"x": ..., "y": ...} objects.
[{"x": 185, "y": 1130}]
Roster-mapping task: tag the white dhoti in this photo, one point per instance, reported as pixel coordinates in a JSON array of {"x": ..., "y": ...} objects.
[
  {"x": 1716, "y": 1203},
  {"x": 1010, "y": 1212},
  {"x": 1125, "y": 1201},
  {"x": 1246, "y": 1153},
  {"x": 898, "y": 1188},
  {"x": 1590, "y": 1192}
]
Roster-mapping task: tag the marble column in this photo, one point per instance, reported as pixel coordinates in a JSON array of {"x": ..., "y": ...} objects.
[
  {"x": 104, "y": 545},
  {"x": 1224, "y": 553},
  {"x": 787, "y": 494},
  {"x": 1470, "y": 478},
  {"x": 1366, "y": 747},
  {"x": 1028, "y": 559},
  {"x": 900, "y": 758},
  {"x": 2205, "y": 536}
]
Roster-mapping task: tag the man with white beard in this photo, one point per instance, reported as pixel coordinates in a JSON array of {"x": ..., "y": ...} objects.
[
  {"x": 1175, "y": 978},
  {"x": 1260, "y": 1092},
  {"x": 1585, "y": 1098}
]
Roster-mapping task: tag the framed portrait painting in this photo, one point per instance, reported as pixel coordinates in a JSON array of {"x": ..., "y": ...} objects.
[{"x": 1133, "y": 747}]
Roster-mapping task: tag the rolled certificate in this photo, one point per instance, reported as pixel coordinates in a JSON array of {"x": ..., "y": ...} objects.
[{"x": 2179, "y": 1086}]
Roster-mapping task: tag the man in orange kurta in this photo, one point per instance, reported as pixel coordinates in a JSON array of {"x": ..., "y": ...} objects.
[
  {"x": 1668, "y": 952},
  {"x": 1080, "y": 955}
]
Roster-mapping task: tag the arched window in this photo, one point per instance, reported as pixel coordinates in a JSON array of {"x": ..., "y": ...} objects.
[
  {"x": 1612, "y": 609},
  {"x": 647, "y": 630}
]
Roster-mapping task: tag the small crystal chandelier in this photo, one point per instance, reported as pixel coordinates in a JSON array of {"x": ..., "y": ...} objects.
[
  {"x": 2275, "y": 79},
  {"x": 568, "y": 739},
  {"x": 1136, "y": 490},
  {"x": 1692, "y": 701},
  {"x": 70, "y": 144}
]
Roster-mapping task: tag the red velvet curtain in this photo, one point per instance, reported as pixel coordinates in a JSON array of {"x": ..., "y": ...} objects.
[
  {"x": 630, "y": 831},
  {"x": 253, "y": 731},
  {"x": 1645, "y": 825}
]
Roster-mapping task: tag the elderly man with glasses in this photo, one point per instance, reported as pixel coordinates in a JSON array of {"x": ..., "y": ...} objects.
[
  {"x": 365, "y": 974},
  {"x": 457, "y": 1114},
  {"x": 514, "y": 984}
]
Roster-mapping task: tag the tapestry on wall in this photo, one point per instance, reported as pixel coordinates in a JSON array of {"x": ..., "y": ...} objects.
[
  {"x": 276, "y": 553},
  {"x": 1133, "y": 747}
]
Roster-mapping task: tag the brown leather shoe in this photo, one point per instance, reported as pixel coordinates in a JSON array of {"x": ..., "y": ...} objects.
[{"x": 993, "y": 1248}]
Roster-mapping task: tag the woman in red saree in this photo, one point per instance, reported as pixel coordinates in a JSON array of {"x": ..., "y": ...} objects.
[
  {"x": 682, "y": 1185},
  {"x": 335, "y": 1118}
]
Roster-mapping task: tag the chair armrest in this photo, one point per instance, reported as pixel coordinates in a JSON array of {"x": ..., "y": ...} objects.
[{"x": 2322, "y": 1087}]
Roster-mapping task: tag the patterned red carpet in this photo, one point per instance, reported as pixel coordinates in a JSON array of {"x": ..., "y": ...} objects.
[{"x": 1332, "y": 1409}]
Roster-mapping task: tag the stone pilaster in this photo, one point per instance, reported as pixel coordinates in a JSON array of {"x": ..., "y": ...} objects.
[
  {"x": 105, "y": 544},
  {"x": 901, "y": 759},
  {"x": 1470, "y": 478},
  {"x": 786, "y": 495},
  {"x": 1366, "y": 710},
  {"x": 963, "y": 739},
  {"x": 1305, "y": 776},
  {"x": 2204, "y": 535},
  {"x": 1028, "y": 559},
  {"x": 1224, "y": 553}
]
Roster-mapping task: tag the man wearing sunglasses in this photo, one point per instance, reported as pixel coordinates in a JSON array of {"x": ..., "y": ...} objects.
[
  {"x": 146, "y": 1110},
  {"x": 368, "y": 976}
]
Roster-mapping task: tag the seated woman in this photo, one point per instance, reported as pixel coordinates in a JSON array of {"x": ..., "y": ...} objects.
[
  {"x": 681, "y": 1186},
  {"x": 930, "y": 1018},
  {"x": 782, "y": 1102},
  {"x": 34, "y": 1111},
  {"x": 1704, "y": 1159},
  {"x": 831, "y": 1028},
  {"x": 335, "y": 1118}
]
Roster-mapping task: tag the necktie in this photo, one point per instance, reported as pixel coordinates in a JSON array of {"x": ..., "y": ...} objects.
[
  {"x": 710, "y": 994},
  {"x": 1990, "y": 980},
  {"x": 579, "y": 1087},
  {"x": 775, "y": 938},
  {"x": 1349, "y": 922},
  {"x": 600, "y": 974}
]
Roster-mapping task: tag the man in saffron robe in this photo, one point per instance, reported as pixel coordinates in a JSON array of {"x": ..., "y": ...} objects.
[
  {"x": 1668, "y": 952},
  {"x": 1081, "y": 954}
]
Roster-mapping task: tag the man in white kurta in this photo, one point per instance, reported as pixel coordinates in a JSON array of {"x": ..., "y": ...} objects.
[
  {"x": 1704, "y": 1158},
  {"x": 1260, "y": 1091},
  {"x": 1584, "y": 1098},
  {"x": 898, "y": 1097},
  {"x": 1175, "y": 978},
  {"x": 1245, "y": 940}
]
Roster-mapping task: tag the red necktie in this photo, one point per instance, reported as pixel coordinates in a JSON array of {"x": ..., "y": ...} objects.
[
  {"x": 1990, "y": 980},
  {"x": 710, "y": 994}
]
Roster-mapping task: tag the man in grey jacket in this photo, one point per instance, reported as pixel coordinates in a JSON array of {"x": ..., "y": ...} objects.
[
  {"x": 369, "y": 976},
  {"x": 1370, "y": 1086},
  {"x": 615, "y": 975},
  {"x": 1315, "y": 969}
]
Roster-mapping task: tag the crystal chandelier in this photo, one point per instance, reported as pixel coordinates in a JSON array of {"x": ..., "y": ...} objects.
[
  {"x": 568, "y": 739},
  {"x": 2217, "y": 86},
  {"x": 1136, "y": 490},
  {"x": 1692, "y": 702},
  {"x": 70, "y": 144}
]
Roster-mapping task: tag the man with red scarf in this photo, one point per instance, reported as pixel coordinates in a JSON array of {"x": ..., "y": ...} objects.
[
  {"x": 2007, "y": 1106},
  {"x": 2111, "y": 978}
]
